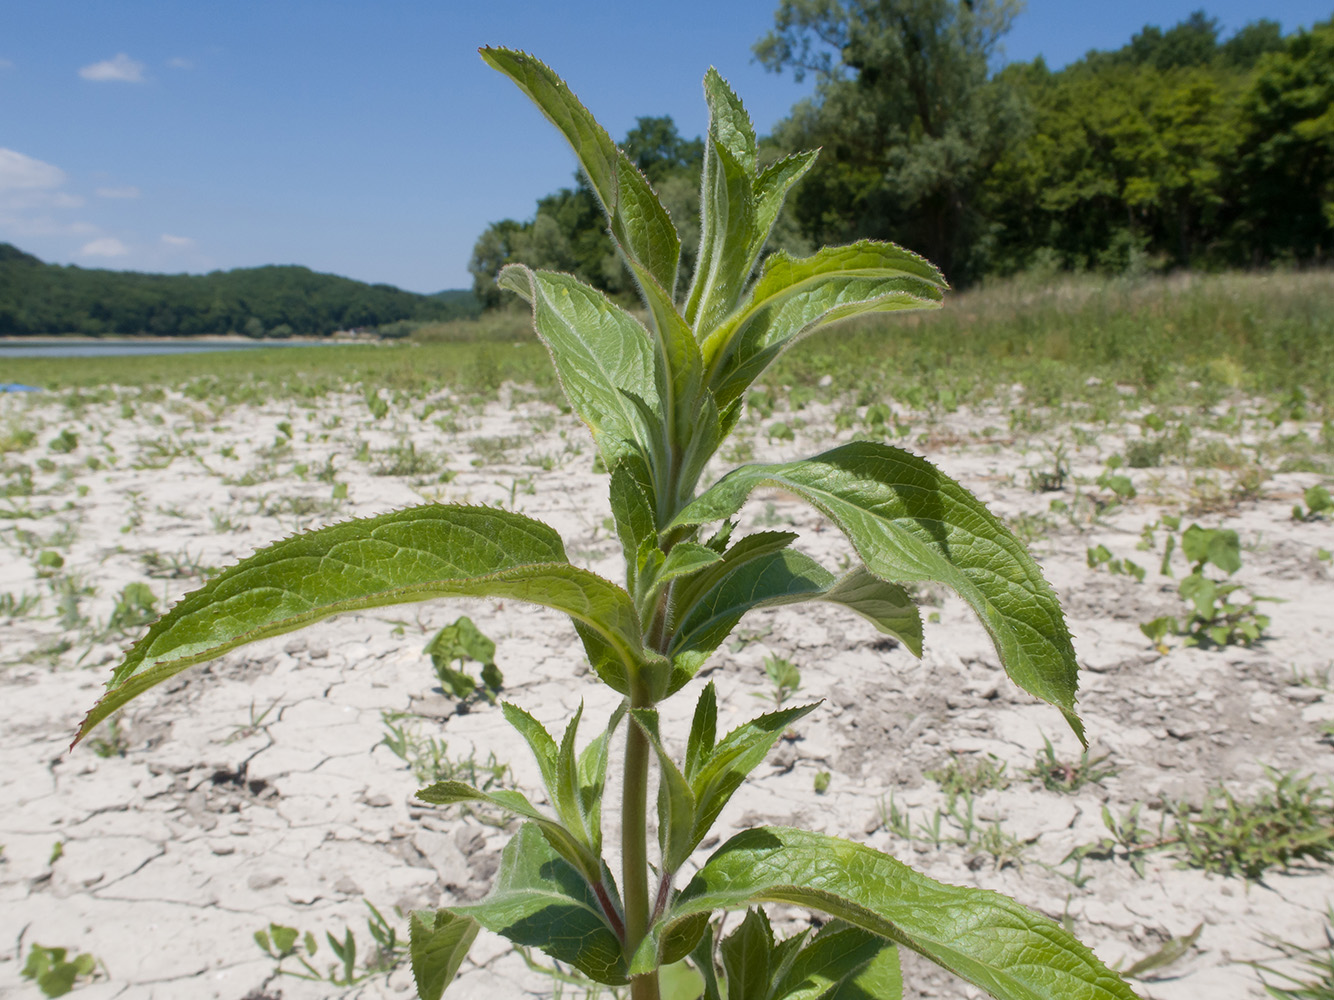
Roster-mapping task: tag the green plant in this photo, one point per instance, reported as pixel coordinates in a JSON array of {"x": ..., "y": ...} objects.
[
  {"x": 1293, "y": 821},
  {"x": 64, "y": 442},
  {"x": 660, "y": 397},
  {"x": 962, "y": 776},
  {"x": 1318, "y": 983},
  {"x": 1218, "y": 617},
  {"x": 1057, "y": 775},
  {"x": 1100, "y": 555},
  {"x": 282, "y": 943},
  {"x": 456, "y": 644},
  {"x": 114, "y": 743},
  {"x": 1128, "y": 840},
  {"x": 784, "y": 677},
  {"x": 55, "y": 973},
  {"x": 1319, "y": 504}
]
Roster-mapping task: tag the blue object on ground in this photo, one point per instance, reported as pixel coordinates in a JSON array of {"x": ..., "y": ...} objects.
[{"x": 16, "y": 387}]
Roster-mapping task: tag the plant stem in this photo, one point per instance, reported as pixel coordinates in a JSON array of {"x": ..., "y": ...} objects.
[{"x": 634, "y": 855}]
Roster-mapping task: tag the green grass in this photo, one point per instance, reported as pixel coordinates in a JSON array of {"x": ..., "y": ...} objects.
[{"x": 1268, "y": 333}]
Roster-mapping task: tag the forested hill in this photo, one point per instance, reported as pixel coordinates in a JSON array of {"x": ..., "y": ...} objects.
[{"x": 41, "y": 298}]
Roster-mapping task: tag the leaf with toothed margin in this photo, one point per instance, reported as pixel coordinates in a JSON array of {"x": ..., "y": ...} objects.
[
  {"x": 602, "y": 355},
  {"x": 761, "y": 572},
  {"x": 639, "y": 223},
  {"x": 569, "y": 844},
  {"x": 909, "y": 521},
  {"x": 409, "y": 555},
  {"x": 984, "y": 937},
  {"x": 437, "y": 944},
  {"x": 793, "y": 297},
  {"x": 540, "y": 901}
]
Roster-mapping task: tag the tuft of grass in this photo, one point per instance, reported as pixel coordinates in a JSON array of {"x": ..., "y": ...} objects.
[
  {"x": 1057, "y": 775},
  {"x": 1289, "y": 823},
  {"x": 1316, "y": 980}
]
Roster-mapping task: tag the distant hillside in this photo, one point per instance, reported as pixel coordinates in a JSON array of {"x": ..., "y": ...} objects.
[{"x": 41, "y": 298}]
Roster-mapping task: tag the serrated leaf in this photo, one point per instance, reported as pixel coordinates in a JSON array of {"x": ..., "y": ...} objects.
[
  {"x": 569, "y": 844},
  {"x": 723, "y": 771},
  {"x": 686, "y": 558},
  {"x": 567, "y": 798},
  {"x": 909, "y": 521},
  {"x": 729, "y": 122},
  {"x": 745, "y": 955},
  {"x": 703, "y": 731},
  {"x": 764, "y": 574},
  {"x": 984, "y": 937},
  {"x": 842, "y": 963},
  {"x": 792, "y": 297},
  {"x": 771, "y": 188},
  {"x": 406, "y": 556},
  {"x": 593, "y": 778},
  {"x": 437, "y": 944},
  {"x": 887, "y": 606},
  {"x": 540, "y": 742},
  {"x": 702, "y": 957},
  {"x": 632, "y": 509},
  {"x": 727, "y": 233},
  {"x": 539, "y": 900},
  {"x": 639, "y": 223},
  {"x": 603, "y": 357}
]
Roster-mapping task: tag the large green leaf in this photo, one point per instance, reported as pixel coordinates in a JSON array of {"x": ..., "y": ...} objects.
[
  {"x": 982, "y": 936},
  {"x": 438, "y": 943},
  {"x": 761, "y": 572},
  {"x": 841, "y": 963},
  {"x": 410, "y": 555},
  {"x": 795, "y": 296},
  {"x": 639, "y": 223},
  {"x": 909, "y": 521},
  {"x": 602, "y": 356},
  {"x": 539, "y": 900}
]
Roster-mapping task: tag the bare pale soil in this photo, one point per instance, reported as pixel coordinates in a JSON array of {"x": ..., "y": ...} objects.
[{"x": 259, "y": 788}]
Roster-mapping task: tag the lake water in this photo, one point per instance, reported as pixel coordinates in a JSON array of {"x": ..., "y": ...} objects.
[{"x": 110, "y": 348}]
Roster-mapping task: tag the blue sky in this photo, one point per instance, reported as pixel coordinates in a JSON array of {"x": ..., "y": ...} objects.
[{"x": 368, "y": 139}]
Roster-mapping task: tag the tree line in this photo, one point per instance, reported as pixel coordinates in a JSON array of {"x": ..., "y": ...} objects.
[
  {"x": 1179, "y": 149},
  {"x": 38, "y": 298}
]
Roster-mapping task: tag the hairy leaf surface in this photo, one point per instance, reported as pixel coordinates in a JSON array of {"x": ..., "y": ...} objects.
[
  {"x": 540, "y": 901},
  {"x": 909, "y": 521},
  {"x": 410, "y": 555},
  {"x": 795, "y": 296},
  {"x": 602, "y": 356},
  {"x": 982, "y": 936},
  {"x": 437, "y": 944},
  {"x": 639, "y": 223}
]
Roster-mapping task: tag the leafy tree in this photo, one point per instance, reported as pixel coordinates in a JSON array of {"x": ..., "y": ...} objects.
[
  {"x": 1287, "y": 167},
  {"x": 907, "y": 112}
]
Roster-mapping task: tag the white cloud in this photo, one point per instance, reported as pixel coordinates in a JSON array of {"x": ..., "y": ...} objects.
[
  {"x": 177, "y": 241},
  {"x": 107, "y": 246},
  {"x": 23, "y": 173},
  {"x": 120, "y": 69},
  {"x": 128, "y": 191},
  {"x": 179, "y": 62}
]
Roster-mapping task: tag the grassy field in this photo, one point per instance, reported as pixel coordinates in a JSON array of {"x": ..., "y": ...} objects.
[{"x": 1186, "y": 339}]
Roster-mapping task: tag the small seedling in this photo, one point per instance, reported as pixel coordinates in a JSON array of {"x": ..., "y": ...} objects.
[
  {"x": 55, "y": 973},
  {"x": 1100, "y": 555},
  {"x": 1057, "y": 775},
  {"x": 114, "y": 743},
  {"x": 784, "y": 680},
  {"x": 966, "y": 777},
  {"x": 1319, "y": 505},
  {"x": 821, "y": 782},
  {"x": 457, "y": 644},
  {"x": 661, "y": 395},
  {"x": 283, "y": 943},
  {"x": 64, "y": 442}
]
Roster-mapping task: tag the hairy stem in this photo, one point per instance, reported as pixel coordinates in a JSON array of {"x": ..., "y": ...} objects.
[{"x": 634, "y": 855}]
